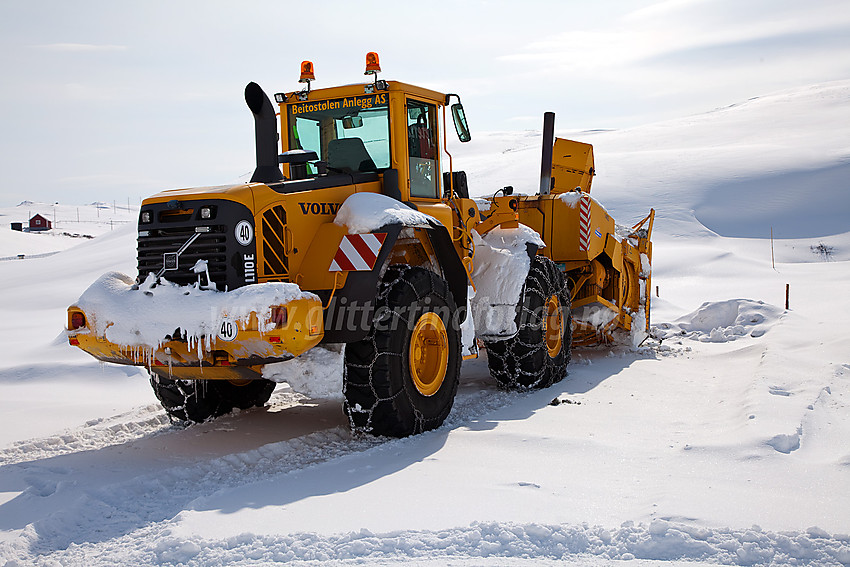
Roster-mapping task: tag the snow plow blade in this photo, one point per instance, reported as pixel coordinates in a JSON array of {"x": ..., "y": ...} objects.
[{"x": 194, "y": 334}]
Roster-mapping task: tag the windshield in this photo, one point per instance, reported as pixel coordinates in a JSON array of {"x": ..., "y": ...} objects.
[{"x": 350, "y": 134}]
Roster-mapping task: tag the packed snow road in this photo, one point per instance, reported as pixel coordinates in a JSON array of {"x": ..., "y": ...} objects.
[
  {"x": 114, "y": 475},
  {"x": 133, "y": 489}
]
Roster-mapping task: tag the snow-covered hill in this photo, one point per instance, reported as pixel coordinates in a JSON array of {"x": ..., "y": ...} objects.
[
  {"x": 71, "y": 224},
  {"x": 726, "y": 442}
]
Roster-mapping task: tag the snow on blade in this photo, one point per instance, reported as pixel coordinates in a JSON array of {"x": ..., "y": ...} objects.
[
  {"x": 142, "y": 315},
  {"x": 367, "y": 212}
]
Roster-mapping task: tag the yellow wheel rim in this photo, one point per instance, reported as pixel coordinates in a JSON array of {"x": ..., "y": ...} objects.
[
  {"x": 554, "y": 326},
  {"x": 429, "y": 354}
]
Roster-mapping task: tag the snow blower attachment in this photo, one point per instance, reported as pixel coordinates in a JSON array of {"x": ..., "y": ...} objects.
[
  {"x": 607, "y": 266},
  {"x": 348, "y": 234}
]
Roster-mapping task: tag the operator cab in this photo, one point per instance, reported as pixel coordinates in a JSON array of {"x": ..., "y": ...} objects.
[{"x": 346, "y": 135}]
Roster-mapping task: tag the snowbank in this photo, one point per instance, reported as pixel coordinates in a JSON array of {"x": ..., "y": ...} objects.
[
  {"x": 486, "y": 542},
  {"x": 722, "y": 321},
  {"x": 481, "y": 543}
]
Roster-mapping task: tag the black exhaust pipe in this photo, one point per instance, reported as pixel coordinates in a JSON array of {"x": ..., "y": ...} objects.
[
  {"x": 546, "y": 161},
  {"x": 265, "y": 135}
]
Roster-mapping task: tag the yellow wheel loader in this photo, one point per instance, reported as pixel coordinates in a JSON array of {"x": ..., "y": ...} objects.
[{"x": 355, "y": 229}]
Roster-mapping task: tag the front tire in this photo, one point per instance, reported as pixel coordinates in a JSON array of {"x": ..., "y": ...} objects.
[
  {"x": 537, "y": 356},
  {"x": 402, "y": 378},
  {"x": 196, "y": 401}
]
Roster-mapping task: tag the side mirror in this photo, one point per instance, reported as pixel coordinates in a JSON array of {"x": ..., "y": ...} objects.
[
  {"x": 459, "y": 118},
  {"x": 352, "y": 122}
]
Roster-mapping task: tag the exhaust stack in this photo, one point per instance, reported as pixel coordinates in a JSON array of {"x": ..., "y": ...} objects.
[
  {"x": 546, "y": 161},
  {"x": 265, "y": 135}
]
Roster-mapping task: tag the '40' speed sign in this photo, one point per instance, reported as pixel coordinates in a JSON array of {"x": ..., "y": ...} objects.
[{"x": 227, "y": 330}]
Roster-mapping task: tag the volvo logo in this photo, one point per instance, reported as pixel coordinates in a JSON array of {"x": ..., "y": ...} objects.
[{"x": 319, "y": 208}]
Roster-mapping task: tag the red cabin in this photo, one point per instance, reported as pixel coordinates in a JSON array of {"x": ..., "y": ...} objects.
[{"x": 38, "y": 222}]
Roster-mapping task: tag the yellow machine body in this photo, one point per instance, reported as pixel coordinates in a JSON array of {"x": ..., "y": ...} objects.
[
  {"x": 604, "y": 269},
  {"x": 295, "y": 239}
]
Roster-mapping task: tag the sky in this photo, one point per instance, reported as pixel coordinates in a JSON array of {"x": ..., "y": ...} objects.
[{"x": 114, "y": 101}]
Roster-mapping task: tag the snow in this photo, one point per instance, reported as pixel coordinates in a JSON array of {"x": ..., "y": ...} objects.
[
  {"x": 721, "y": 441},
  {"x": 367, "y": 212},
  {"x": 570, "y": 198},
  {"x": 723, "y": 321},
  {"x": 315, "y": 374},
  {"x": 468, "y": 341},
  {"x": 500, "y": 266},
  {"x": 141, "y": 315},
  {"x": 72, "y": 225}
]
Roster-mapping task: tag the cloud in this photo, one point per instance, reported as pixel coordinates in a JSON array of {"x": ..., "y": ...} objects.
[
  {"x": 79, "y": 47},
  {"x": 676, "y": 27},
  {"x": 686, "y": 56}
]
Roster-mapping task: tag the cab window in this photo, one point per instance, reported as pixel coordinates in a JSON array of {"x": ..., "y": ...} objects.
[
  {"x": 422, "y": 149},
  {"x": 350, "y": 134}
]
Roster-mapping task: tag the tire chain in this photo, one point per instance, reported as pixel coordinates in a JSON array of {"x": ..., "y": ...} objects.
[
  {"x": 510, "y": 360},
  {"x": 170, "y": 392},
  {"x": 361, "y": 415}
]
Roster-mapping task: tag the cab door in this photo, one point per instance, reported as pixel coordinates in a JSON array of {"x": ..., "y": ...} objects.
[{"x": 422, "y": 150}]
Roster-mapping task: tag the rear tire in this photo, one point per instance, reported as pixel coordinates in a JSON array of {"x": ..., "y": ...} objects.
[
  {"x": 537, "y": 356},
  {"x": 196, "y": 401},
  {"x": 402, "y": 378}
]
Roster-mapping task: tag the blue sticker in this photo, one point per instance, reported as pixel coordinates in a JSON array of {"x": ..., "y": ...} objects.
[{"x": 598, "y": 233}]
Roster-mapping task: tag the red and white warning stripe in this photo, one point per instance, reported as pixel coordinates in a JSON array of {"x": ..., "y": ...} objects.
[
  {"x": 357, "y": 252},
  {"x": 584, "y": 222}
]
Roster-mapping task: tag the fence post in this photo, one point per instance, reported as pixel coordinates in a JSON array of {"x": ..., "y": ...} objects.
[{"x": 772, "y": 259}]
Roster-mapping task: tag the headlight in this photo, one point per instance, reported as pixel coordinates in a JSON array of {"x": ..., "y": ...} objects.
[
  {"x": 206, "y": 212},
  {"x": 145, "y": 217}
]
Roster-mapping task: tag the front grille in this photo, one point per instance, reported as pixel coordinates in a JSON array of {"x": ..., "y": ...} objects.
[
  {"x": 213, "y": 223},
  {"x": 211, "y": 247}
]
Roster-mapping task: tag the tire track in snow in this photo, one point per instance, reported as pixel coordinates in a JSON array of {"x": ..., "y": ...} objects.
[
  {"x": 142, "y": 422},
  {"x": 95, "y": 434},
  {"x": 103, "y": 513}
]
